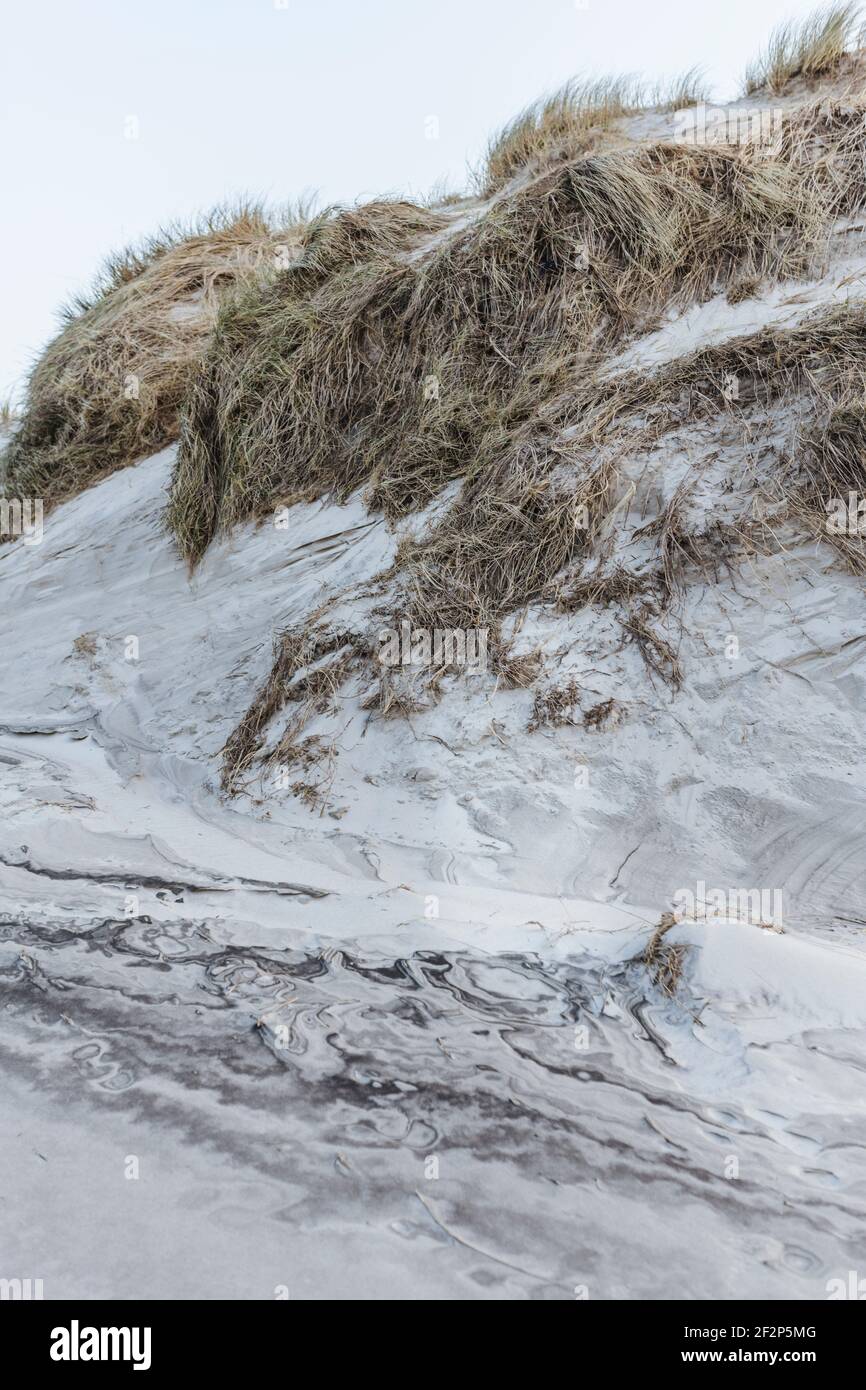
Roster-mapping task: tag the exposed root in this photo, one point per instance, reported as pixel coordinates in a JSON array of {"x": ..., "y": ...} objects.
[
  {"x": 656, "y": 651},
  {"x": 391, "y": 699},
  {"x": 301, "y": 674}
]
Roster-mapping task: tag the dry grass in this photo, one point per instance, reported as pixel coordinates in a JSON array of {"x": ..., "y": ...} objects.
[
  {"x": 665, "y": 962},
  {"x": 554, "y": 707},
  {"x": 109, "y": 388},
  {"x": 768, "y": 364},
  {"x": 517, "y": 672},
  {"x": 607, "y": 714},
  {"x": 681, "y": 93},
  {"x": 513, "y": 528},
  {"x": 656, "y": 650},
  {"x": 557, "y": 127},
  {"x": 683, "y": 548},
  {"x": 393, "y": 697},
  {"x": 407, "y": 347},
  {"x": 310, "y": 667},
  {"x": 601, "y": 588},
  {"x": 535, "y": 505},
  {"x": 675, "y": 541},
  {"x": 746, "y": 287},
  {"x": 808, "y": 49},
  {"x": 277, "y": 415},
  {"x": 508, "y": 534},
  {"x": 824, "y": 144},
  {"x": 833, "y": 468},
  {"x": 568, "y": 123},
  {"x": 473, "y": 337},
  {"x": 820, "y": 366},
  {"x": 85, "y": 644},
  {"x": 291, "y": 404}
]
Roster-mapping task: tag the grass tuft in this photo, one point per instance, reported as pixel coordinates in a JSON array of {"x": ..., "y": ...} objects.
[
  {"x": 568, "y": 123},
  {"x": 109, "y": 388},
  {"x": 808, "y": 49},
  {"x": 559, "y": 126}
]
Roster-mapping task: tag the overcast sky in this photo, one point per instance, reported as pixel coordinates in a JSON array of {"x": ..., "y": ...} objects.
[{"x": 118, "y": 117}]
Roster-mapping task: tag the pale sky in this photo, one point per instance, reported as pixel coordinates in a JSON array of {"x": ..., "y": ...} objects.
[{"x": 273, "y": 98}]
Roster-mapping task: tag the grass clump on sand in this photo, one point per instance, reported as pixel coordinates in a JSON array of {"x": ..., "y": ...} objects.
[
  {"x": 809, "y": 49},
  {"x": 555, "y": 706},
  {"x": 824, "y": 142},
  {"x": 109, "y": 388},
  {"x": 318, "y": 383},
  {"x": 767, "y": 364},
  {"x": 300, "y": 372},
  {"x": 523, "y": 526},
  {"x": 569, "y": 123},
  {"x": 557, "y": 127},
  {"x": 402, "y": 362},
  {"x": 665, "y": 962}
]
